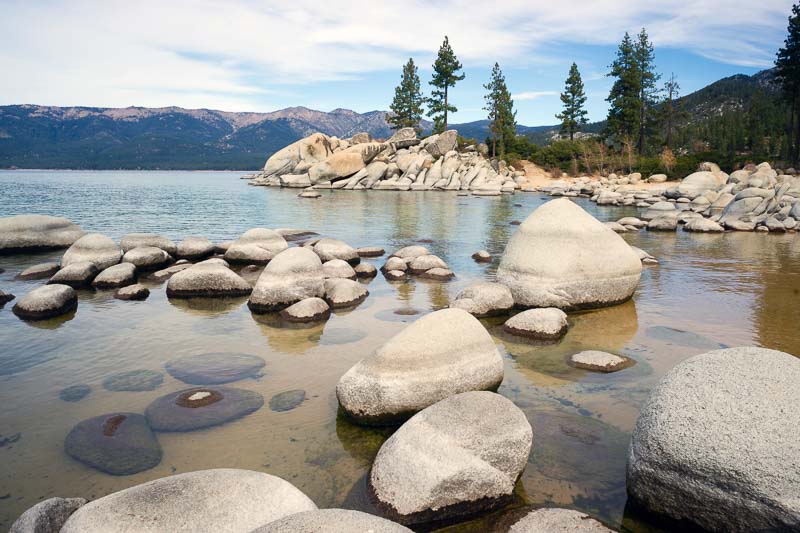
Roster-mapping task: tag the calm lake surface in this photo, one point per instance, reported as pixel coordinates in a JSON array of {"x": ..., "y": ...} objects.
[{"x": 709, "y": 291}]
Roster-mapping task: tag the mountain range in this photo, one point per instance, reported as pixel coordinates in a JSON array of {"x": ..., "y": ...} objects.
[{"x": 33, "y": 136}]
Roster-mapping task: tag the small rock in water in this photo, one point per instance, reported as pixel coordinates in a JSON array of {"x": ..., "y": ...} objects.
[
  {"x": 336, "y": 268},
  {"x": 484, "y": 299},
  {"x": 75, "y": 393},
  {"x": 394, "y": 275},
  {"x": 199, "y": 408},
  {"x": 307, "y": 310},
  {"x": 75, "y": 275},
  {"x": 134, "y": 381},
  {"x": 41, "y": 271},
  {"x": 366, "y": 270},
  {"x": 546, "y": 324},
  {"x": 5, "y": 298},
  {"x": 115, "y": 276},
  {"x": 341, "y": 293},
  {"x": 132, "y": 292},
  {"x": 438, "y": 274},
  {"x": 482, "y": 256},
  {"x": 370, "y": 251},
  {"x": 215, "y": 368},
  {"x": 309, "y": 194},
  {"x": 286, "y": 401},
  {"x": 599, "y": 361},
  {"x": 46, "y": 302},
  {"x": 195, "y": 248},
  {"x": 147, "y": 257}
]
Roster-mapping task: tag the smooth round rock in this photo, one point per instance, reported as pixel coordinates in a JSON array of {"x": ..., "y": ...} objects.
[
  {"x": 716, "y": 445},
  {"x": 546, "y": 324},
  {"x": 703, "y": 225},
  {"x": 194, "y": 248},
  {"x": 288, "y": 400},
  {"x": 555, "y": 520},
  {"x": 40, "y": 271},
  {"x": 292, "y": 275},
  {"x": 341, "y": 293},
  {"x": 94, "y": 248},
  {"x": 209, "y": 280},
  {"x": 201, "y": 407},
  {"x": 147, "y": 257},
  {"x": 136, "y": 240},
  {"x": 75, "y": 393},
  {"x": 46, "y": 302},
  {"x": 308, "y": 310},
  {"x": 337, "y": 268},
  {"x": 76, "y": 275},
  {"x": 484, "y": 299},
  {"x": 136, "y": 292},
  {"x": 332, "y": 521},
  {"x": 120, "y": 275},
  {"x": 395, "y": 263},
  {"x": 395, "y": 275},
  {"x": 166, "y": 273},
  {"x": 482, "y": 256},
  {"x": 366, "y": 270},
  {"x": 256, "y": 246},
  {"x": 119, "y": 444},
  {"x": 599, "y": 361},
  {"x": 410, "y": 252},
  {"x": 215, "y": 368},
  {"x": 370, "y": 251},
  {"x": 441, "y": 354},
  {"x": 423, "y": 263},
  {"x": 223, "y": 499},
  {"x": 328, "y": 249},
  {"x": 632, "y": 221},
  {"x": 459, "y": 457},
  {"x": 47, "y": 516},
  {"x": 438, "y": 274},
  {"x": 134, "y": 380},
  {"x": 561, "y": 256},
  {"x": 663, "y": 224},
  {"x": 37, "y": 232}
]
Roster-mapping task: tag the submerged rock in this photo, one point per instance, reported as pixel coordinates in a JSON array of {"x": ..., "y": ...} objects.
[
  {"x": 132, "y": 292},
  {"x": 37, "y": 232},
  {"x": 332, "y": 521},
  {"x": 209, "y": 280},
  {"x": 223, "y": 499},
  {"x": 599, "y": 361},
  {"x": 546, "y": 324},
  {"x": 715, "y": 441},
  {"x": 460, "y": 456},
  {"x": 136, "y": 240},
  {"x": 215, "y": 368},
  {"x": 441, "y": 354},
  {"x": 256, "y": 246},
  {"x": 46, "y": 302},
  {"x": 94, "y": 248},
  {"x": 563, "y": 257},
  {"x": 41, "y": 271},
  {"x": 288, "y": 400},
  {"x": 293, "y": 275},
  {"x": 115, "y": 276},
  {"x": 119, "y": 444},
  {"x": 134, "y": 380},
  {"x": 553, "y": 520},
  {"x": 201, "y": 407},
  {"x": 308, "y": 310},
  {"x": 76, "y": 275},
  {"x": 484, "y": 299},
  {"x": 47, "y": 516},
  {"x": 75, "y": 393}
]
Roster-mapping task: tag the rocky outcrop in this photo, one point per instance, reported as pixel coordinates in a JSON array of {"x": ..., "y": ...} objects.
[
  {"x": 93, "y": 248},
  {"x": 23, "y": 233},
  {"x": 292, "y": 275},
  {"x": 563, "y": 257},
  {"x": 444, "y": 353},
  {"x": 458, "y": 457},
  {"x": 223, "y": 499},
  {"x": 715, "y": 443}
]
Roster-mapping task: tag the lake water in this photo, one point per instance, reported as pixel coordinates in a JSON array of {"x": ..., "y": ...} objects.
[{"x": 709, "y": 291}]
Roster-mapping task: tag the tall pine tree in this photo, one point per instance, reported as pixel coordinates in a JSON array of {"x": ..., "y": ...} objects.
[
  {"x": 788, "y": 77},
  {"x": 573, "y": 98},
  {"x": 407, "y": 104},
  {"x": 445, "y": 75},
  {"x": 670, "y": 111},
  {"x": 623, "y": 112},
  {"x": 502, "y": 117},
  {"x": 648, "y": 91}
]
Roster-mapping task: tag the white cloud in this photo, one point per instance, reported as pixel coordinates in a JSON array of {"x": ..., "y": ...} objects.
[
  {"x": 238, "y": 54},
  {"x": 533, "y": 95}
]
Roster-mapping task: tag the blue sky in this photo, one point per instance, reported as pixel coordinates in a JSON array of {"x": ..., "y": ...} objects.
[{"x": 248, "y": 55}]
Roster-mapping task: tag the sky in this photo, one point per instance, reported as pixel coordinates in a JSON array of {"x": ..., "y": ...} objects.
[{"x": 247, "y": 55}]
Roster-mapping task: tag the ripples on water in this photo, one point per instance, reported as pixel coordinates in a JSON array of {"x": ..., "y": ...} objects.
[{"x": 709, "y": 290}]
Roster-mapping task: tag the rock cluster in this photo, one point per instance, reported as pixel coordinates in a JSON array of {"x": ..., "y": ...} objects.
[{"x": 401, "y": 163}]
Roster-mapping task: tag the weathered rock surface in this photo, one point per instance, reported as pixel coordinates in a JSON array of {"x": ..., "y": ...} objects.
[
  {"x": 365, "y": 270},
  {"x": 194, "y": 248},
  {"x": 115, "y": 276},
  {"x": 308, "y": 310},
  {"x": 136, "y": 240},
  {"x": 40, "y": 271},
  {"x": 336, "y": 268},
  {"x": 132, "y": 292},
  {"x": 46, "y": 302},
  {"x": 215, "y": 368},
  {"x": 208, "y": 280},
  {"x": 5, "y": 298},
  {"x": 703, "y": 225},
  {"x": 370, "y": 251},
  {"x": 716, "y": 443},
  {"x": 444, "y": 353},
  {"x": 256, "y": 246},
  {"x": 76, "y": 275},
  {"x": 147, "y": 257},
  {"x": 94, "y": 248},
  {"x": 547, "y": 324},
  {"x": 563, "y": 257},
  {"x": 293, "y": 275},
  {"x": 460, "y": 456},
  {"x": 553, "y": 520},
  {"x": 332, "y": 521},
  {"x": 423, "y": 263},
  {"x": 664, "y": 223},
  {"x": 484, "y": 299},
  {"x": 47, "y": 516},
  {"x": 438, "y": 274},
  {"x": 599, "y": 361},
  {"x": 37, "y": 232},
  {"x": 222, "y": 499},
  {"x": 341, "y": 293},
  {"x": 328, "y": 249},
  {"x": 482, "y": 256}
]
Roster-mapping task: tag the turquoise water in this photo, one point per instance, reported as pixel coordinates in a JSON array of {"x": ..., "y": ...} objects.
[{"x": 708, "y": 291}]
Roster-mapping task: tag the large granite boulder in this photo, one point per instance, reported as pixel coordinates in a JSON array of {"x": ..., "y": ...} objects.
[
  {"x": 37, "y": 232},
  {"x": 484, "y": 299},
  {"x": 293, "y": 275},
  {"x": 94, "y": 248},
  {"x": 256, "y": 246},
  {"x": 328, "y": 249},
  {"x": 304, "y": 153},
  {"x": 135, "y": 240},
  {"x": 444, "y": 353},
  {"x": 47, "y": 516},
  {"x": 716, "y": 443},
  {"x": 194, "y": 248},
  {"x": 207, "y": 279},
  {"x": 201, "y": 407},
  {"x": 460, "y": 456},
  {"x": 561, "y": 256},
  {"x": 119, "y": 444},
  {"x": 46, "y": 302},
  {"x": 332, "y": 521},
  {"x": 223, "y": 499},
  {"x": 336, "y": 268},
  {"x": 442, "y": 143},
  {"x": 552, "y": 520},
  {"x": 699, "y": 183}
]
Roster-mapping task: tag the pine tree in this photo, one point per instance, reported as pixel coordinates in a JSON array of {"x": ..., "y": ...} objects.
[
  {"x": 788, "y": 77},
  {"x": 671, "y": 93},
  {"x": 502, "y": 117},
  {"x": 648, "y": 91},
  {"x": 573, "y": 98},
  {"x": 445, "y": 75},
  {"x": 623, "y": 113},
  {"x": 407, "y": 104}
]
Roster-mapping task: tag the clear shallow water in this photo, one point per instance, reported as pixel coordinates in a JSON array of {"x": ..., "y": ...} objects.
[{"x": 708, "y": 291}]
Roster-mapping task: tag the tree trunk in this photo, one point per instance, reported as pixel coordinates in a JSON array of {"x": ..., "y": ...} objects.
[{"x": 445, "y": 109}]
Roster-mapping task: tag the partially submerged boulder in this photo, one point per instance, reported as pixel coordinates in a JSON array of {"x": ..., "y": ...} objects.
[
  {"x": 599, "y": 361},
  {"x": 94, "y": 248},
  {"x": 215, "y": 368},
  {"x": 76, "y": 275},
  {"x": 147, "y": 257},
  {"x": 132, "y": 292},
  {"x": 341, "y": 293},
  {"x": 47, "y": 516},
  {"x": 256, "y": 246},
  {"x": 194, "y": 248},
  {"x": 136, "y": 240},
  {"x": 336, "y": 268},
  {"x": 484, "y": 299},
  {"x": 444, "y": 353},
  {"x": 46, "y": 302},
  {"x": 563, "y": 257},
  {"x": 211, "y": 280},
  {"x": 40, "y": 271},
  {"x": 308, "y": 310},
  {"x": 545, "y": 324},
  {"x": 328, "y": 249},
  {"x": 293, "y": 275},
  {"x": 115, "y": 276},
  {"x": 23, "y": 233}
]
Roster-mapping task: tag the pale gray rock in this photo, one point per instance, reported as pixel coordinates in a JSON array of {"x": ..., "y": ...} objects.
[
  {"x": 328, "y": 249},
  {"x": 222, "y": 499},
  {"x": 482, "y": 256},
  {"x": 308, "y": 310},
  {"x": 366, "y": 270},
  {"x": 438, "y": 355},
  {"x": 332, "y": 521},
  {"x": 410, "y": 252},
  {"x": 76, "y": 275},
  {"x": 292, "y": 275},
  {"x": 147, "y": 257},
  {"x": 659, "y": 209},
  {"x": 554, "y": 520},
  {"x": 116, "y": 276},
  {"x": 616, "y": 227},
  {"x": 716, "y": 442},
  {"x": 395, "y": 263},
  {"x": 443, "y": 143},
  {"x": 666, "y": 223},
  {"x": 135, "y": 240},
  {"x": 256, "y": 246},
  {"x": 370, "y": 251},
  {"x": 46, "y": 302},
  {"x": 632, "y": 221},
  {"x": 47, "y": 516},
  {"x": 40, "y": 271},
  {"x": 697, "y": 184},
  {"x": 194, "y": 248},
  {"x": 548, "y": 324},
  {"x": 132, "y": 292},
  {"x": 168, "y": 272},
  {"x": 307, "y": 151},
  {"x": 423, "y": 263},
  {"x": 484, "y": 299},
  {"x": 599, "y": 361},
  {"x": 341, "y": 293},
  {"x": 703, "y": 225},
  {"x": 37, "y": 232},
  {"x": 438, "y": 274},
  {"x": 644, "y": 257},
  {"x": 460, "y": 456},
  {"x": 395, "y": 275},
  {"x": 94, "y": 248},
  {"x": 657, "y": 178},
  {"x": 336, "y": 268},
  {"x": 209, "y": 280},
  {"x": 563, "y": 257}
]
